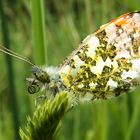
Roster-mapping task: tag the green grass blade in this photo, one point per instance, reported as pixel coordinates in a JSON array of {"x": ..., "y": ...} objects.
[
  {"x": 38, "y": 31},
  {"x": 10, "y": 72}
]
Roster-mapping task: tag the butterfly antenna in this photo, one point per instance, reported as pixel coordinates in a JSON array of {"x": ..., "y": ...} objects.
[{"x": 11, "y": 53}]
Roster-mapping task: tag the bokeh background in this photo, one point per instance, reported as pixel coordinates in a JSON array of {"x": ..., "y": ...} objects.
[{"x": 67, "y": 22}]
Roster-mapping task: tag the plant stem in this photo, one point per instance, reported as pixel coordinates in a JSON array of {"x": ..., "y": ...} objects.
[
  {"x": 38, "y": 30},
  {"x": 11, "y": 86}
]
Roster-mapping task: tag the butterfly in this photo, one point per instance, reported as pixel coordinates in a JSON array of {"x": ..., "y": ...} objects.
[{"x": 106, "y": 63}]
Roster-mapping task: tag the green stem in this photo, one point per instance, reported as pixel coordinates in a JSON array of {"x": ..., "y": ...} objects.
[
  {"x": 11, "y": 87},
  {"x": 38, "y": 30},
  {"x": 134, "y": 119}
]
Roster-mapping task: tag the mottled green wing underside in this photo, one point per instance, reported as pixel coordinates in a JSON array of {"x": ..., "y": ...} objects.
[{"x": 107, "y": 62}]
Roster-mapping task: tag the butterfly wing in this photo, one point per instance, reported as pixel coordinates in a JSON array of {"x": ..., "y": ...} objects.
[{"x": 107, "y": 62}]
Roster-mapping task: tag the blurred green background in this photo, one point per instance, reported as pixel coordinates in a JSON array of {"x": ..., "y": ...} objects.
[{"x": 67, "y": 22}]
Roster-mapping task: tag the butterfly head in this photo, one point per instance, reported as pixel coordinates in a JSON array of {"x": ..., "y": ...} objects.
[
  {"x": 44, "y": 78},
  {"x": 41, "y": 78},
  {"x": 40, "y": 74}
]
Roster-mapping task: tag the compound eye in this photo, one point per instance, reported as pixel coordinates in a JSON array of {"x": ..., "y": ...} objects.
[
  {"x": 43, "y": 77},
  {"x": 33, "y": 88}
]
